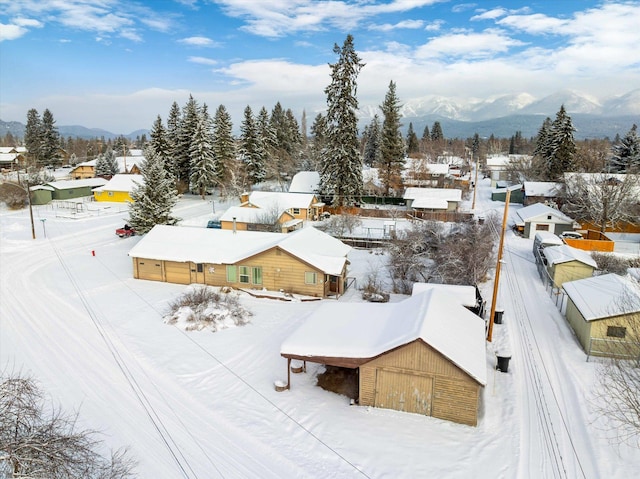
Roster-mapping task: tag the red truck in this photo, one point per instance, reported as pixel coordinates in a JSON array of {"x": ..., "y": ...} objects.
[{"x": 125, "y": 231}]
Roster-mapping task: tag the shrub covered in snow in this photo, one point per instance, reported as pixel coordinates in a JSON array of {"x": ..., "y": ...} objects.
[{"x": 206, "y": 308}]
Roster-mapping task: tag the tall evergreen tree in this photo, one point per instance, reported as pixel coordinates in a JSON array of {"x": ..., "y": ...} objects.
[
  {"x": 563, "y": 146},
  {"x": 269, "y": 142},
  {"x": 626, "y": 153},
  {"x": 159, "y": 141},
  {"x": 154, "y": 199},
  {"x": 50, "y": 141},
  {"x": 413, "y": 145},
  {"x": 392, "y": 147},
  {"x": 187, "y": 130},
  {"x": 373, "y": 143},
  {"x": 106, "y": 164},
  {"x": 203, "y": 168},
  {"x": 543, "y": 149},
  {"x": 224, "y": 148},
  {"x": 33, "y": 135},
  {"x": 436, "y": 132},
  {"x": 252, "y": 151},
  {"x": 341, "y": 173},
  {"x": 173, "y": 134},
  {"x": 319, "y": 136}
]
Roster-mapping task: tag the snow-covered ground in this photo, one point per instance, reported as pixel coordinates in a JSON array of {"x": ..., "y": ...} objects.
[{"x": 203, "y": 404}]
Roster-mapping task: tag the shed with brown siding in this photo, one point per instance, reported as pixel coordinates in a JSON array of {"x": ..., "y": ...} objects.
[
  {"x": 307, "y": 262},
  {"x": 424, "y": 355}
]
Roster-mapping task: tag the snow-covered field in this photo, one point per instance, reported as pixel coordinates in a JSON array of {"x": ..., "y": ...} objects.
[{"x": 203, "y": 404}]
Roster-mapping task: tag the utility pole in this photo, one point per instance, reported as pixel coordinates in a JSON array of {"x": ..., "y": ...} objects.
[
  {"x": 475, "y": 185},
  {"x": 498, "y": 264}
]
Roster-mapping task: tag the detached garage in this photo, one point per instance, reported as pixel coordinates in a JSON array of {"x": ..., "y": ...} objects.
[{"x": 425, "y": 355}]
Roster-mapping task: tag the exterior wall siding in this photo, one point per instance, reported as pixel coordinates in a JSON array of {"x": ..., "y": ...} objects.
[
  {"x": 581, "y": 328},
  {"x": 280, "y": 271},
  {"x": 454, "y": 394},
  {"x": 569, "y": 271},
  {"x": 115, "y": 197}
]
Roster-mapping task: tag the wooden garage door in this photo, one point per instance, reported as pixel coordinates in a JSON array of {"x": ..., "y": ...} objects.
[
  {"x": 177, "y": 272},
  {"x": 403, "y": 392},
  {"x": 149, "y": 269}
]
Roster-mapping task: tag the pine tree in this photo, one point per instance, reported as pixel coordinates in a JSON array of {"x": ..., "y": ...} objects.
[
  {"x": 626, "y": 153},
  {"x": 436, "y": 132},
  {"x": 203, "y": 171},
  {"x": 173, "y": 134},
  {"x": 373, "y": 143},
  {"x": 183, "y": 145},
  {"x": 154, "y": 199},
  {"x": 543, "y": 149},
  {"x": 392, "y": 146},
  {"x": 50, "y": 141},
  {"x": 563, "y": 145},
  {"x": 268, "y": 140},
  {"x": 106, "y": 165},
  {"x": 413, "y": 144},
  {"x": 341, "y": 173},
  {"x": 33, "y": 135},
  {"x": 159, "y": 141},
  {"x": 252, "y": 151},
  {"x": 223, "y": 145},
  {"x": 319, "y": 142}
]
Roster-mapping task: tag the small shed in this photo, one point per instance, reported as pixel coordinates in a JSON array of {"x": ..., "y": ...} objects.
[
  {"x": 69, "y": 189},
  {"x": 500, "y": 194},
  {"x": 542, "y": 192},
  {"x": 565, "y": 263},
  {"x": 540, "y": 217},
  {"x": 604, "y": 313},
  {"x": 41, "y": 194},
  {"x": 424, "y": 355}
]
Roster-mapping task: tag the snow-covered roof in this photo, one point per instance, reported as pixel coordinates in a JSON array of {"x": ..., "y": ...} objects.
[
  {"x": 604, "y": 296},
  {"x": 497, "y": 160},
  {"x": 305, "y": 182},
  {"x": 437, "y": 168},
  {"x": 136, "y": 152},
  {"x": 449, "y": 194},
  {"x": 122, "y": 183},
  {"x": 280, "y": 201},
  {"x": 40, "y": 187},
  {"x": 370, "y": 175},
  {"x": 466, "y": 295},
  {"x": 245, "y": 215},
  {"x": 531, "y": 212},
  {"x": 128, "y": 161},
  {"x": 363, "y": 331},
  {"x": 70, "y": 184},
  {"x": 430, "y": 203},
  {"x": 217, "y": 246},
  {"x": 8, "y": 157},
  {"x": 566, "y": 253},
  {"x": 546, "y": 189}
]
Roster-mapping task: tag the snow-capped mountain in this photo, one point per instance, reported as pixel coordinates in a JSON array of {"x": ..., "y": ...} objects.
[
  {"x": 573, "y": 102},
  {"x": 627, "y": 104},
  {"x": 502, "y": 106}
]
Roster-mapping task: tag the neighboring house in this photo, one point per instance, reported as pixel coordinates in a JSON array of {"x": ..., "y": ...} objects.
[
  {"x": 565, "y": 263},
  {"x": 420, "y": 173},
  {"x": 424, "y": 355},
  {"x": 604, "y": 312},
  {"x": 126, "y": 165},
  {"x": 305, "y": 182},
  {"x": 540, "y": 217},
  {"x": 12, "y": 157},
  {"x": 433, "y": 199},
  {"x": 546, "y": 192},
  {"x": 468, "y": 296},
  {"x": 118, "y": 189},
  {"x": 497, "y": 166},
  {"x": 241, "y": 218},
  {"x": 68, "y": 189},
  {"x": 301, "y": 206},
  {"x": 307, "y": 262}
]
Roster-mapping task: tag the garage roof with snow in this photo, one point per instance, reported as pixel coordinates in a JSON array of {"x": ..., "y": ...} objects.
[{"x": 352, "y": 334}]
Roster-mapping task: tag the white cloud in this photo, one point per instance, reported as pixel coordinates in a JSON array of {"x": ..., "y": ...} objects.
[
  {"x": 11, "y": 32},
  {"x": 202, "y": 60},
  {"x": 198, "y": 41},
  {"x": 470, "y": 44},
  {"x": 28, "y": 22},
  {"x": 490, "y": 14},
  {"x": 408, "y": 24}
]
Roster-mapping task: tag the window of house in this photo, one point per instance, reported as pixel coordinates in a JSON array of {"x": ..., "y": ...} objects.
[
  {"x": 231, "y": 273},
  {"x": 244, "y": 274},
  {"x": 542, "y": 227},
  {"x": 616, "y": 331},
  {"x": 296, "y": 211},
  {"x": 310, "y": 277},
  {"x": 110, "y": 193},
  {"x": 257, "y": 275},
  {"x": 200, "y": 267}
]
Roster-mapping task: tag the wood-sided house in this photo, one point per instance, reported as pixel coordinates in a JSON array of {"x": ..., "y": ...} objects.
[
  {"x": 118, "y": 189},
  {"x": 307, "y": 262},
  {"x": 265, "y": 209},
  {"x": 126, "y": 165},
  {"x": 604, "y": 313},
  {"x": 424, "y": 355}
]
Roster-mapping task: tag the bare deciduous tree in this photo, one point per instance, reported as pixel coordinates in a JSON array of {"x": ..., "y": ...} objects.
[{"x": 40, "y": 442}]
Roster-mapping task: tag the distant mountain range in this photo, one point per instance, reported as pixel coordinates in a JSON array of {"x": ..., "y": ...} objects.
[{"x": 501, "y": 116}]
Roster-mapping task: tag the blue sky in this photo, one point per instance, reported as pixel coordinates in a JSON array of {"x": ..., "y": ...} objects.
[{"x": 117, "y": 64}]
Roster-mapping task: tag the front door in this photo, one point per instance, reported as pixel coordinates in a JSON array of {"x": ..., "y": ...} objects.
[{"x": 197, "y": 273}]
